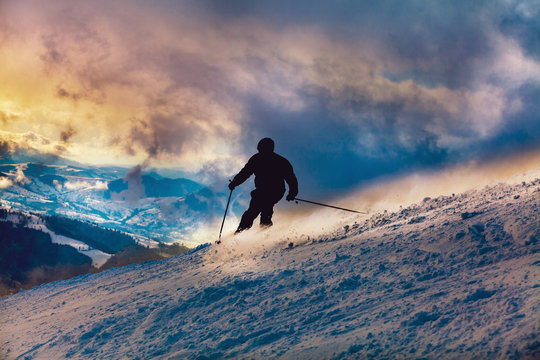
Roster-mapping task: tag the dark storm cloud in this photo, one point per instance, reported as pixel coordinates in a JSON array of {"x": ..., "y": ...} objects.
[
  {"x": 349, "y": 90},
  {"x": 163, "y": 134},
  {"x": 4, "y": 148},
  {"x": 135, "y": 188},
  {"x": 521, "y": 131},
  {"x": 169, "y": 126},
  {"x": 427, "y": 84},
  {"x": 520, "y": 22},
  {"x": 437, "y": 40},
  {"x": 66, "y": 134},
  {"x": 327, "y": 152},
  {"x": 359, "y": 127}
]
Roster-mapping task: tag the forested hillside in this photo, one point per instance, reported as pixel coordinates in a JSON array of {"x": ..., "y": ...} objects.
[{"x": 31, "y": 254}]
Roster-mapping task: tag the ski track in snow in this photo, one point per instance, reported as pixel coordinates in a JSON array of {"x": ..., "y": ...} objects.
[{"x": 451, "y": 277}]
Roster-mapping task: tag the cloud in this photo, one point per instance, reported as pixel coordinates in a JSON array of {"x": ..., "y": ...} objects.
[
  {"x": 4, "y": 148},
  {"x": 20, "y": 177},
  {"x": 66, "y": 134},
  {"x": 5, "y": 182},
  {"x": 29, "y": 142},
  {"x": 135, "y": 188},
  {"x": 6, "y": 117},
  {"x": 82, "y": 184},
  {"x": 349, "y": 91},
  {"x": 63, "y": 93}
]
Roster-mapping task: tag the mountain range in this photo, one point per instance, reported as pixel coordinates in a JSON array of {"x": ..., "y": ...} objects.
[
  {"x": 130, "y": 200},
  {"x": 62, "y": 219}
]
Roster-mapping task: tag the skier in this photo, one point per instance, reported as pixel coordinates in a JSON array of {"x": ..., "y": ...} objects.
[{"x": 271, "y": 171}]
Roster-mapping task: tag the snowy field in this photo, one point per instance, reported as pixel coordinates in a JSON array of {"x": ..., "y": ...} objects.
[{"x": 450, "y": 277}]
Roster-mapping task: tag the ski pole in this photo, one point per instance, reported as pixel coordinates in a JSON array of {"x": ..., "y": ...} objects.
[
  {"x": 330, "y": 206},
  {"x": 224, "y": 216}
]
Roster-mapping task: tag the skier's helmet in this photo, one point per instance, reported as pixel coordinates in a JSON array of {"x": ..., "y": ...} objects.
[{"x": 266, "y": 146}]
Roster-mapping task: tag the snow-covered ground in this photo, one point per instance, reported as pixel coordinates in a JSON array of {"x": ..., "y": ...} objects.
[{"x": 454, "y": 276}]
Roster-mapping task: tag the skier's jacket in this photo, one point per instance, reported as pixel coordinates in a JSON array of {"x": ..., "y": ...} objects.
[{"x": 271, "y": 171}]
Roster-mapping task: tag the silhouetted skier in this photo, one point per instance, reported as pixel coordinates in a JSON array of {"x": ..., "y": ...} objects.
[{"x": 271, "y": 171}]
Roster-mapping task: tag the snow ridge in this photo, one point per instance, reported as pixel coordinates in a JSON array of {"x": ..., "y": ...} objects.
[{"x": 450, "y": 277}]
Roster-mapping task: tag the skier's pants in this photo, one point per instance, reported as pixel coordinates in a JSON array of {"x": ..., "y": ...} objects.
[{"x": 261, "y": 203}]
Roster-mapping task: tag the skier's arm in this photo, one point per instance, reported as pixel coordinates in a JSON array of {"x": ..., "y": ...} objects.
[
  {"x": 291, "y": 180},
  {"x": 243, "y": 175}
]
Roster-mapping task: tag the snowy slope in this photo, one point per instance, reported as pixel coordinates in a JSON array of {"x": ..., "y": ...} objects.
[{"x": 450, "y": 277}]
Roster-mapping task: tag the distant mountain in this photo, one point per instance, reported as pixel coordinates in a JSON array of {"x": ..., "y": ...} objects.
[
  {"x": 156, "y": 186},
  {"x": 130, "y": 200},
  {"x": 52, "y": 180},
  {"x": 35, "y": 169}
]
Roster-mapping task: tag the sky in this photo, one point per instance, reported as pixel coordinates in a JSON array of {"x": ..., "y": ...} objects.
[{"x": 351, "y": 91}]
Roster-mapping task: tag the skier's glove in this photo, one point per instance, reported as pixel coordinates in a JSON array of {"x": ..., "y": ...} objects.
[
  {"x": 231, "y": 186},
  {"x": 290, "y": 197}
]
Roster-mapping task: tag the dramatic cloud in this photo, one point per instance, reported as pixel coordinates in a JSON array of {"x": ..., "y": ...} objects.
[
  {"x": 349, "y": 91},
  {"x": 20, "y": 177},
  {"x": 4, "y": 148},
  {"x": 5, "y": 182},
  {"x": 67, "y": 134},
  {"x": 31, "y": 143},
  {"x": 80, "y": 184},
  {"x": 135, "y": 188},
  {"x": 6, "y": 117}
]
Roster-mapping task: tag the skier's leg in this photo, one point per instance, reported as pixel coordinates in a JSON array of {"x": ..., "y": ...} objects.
[
  {"x": 266, "y": 214},
  {"x": 267, "y": 209},
  {"x": 251, "y": 213}
]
